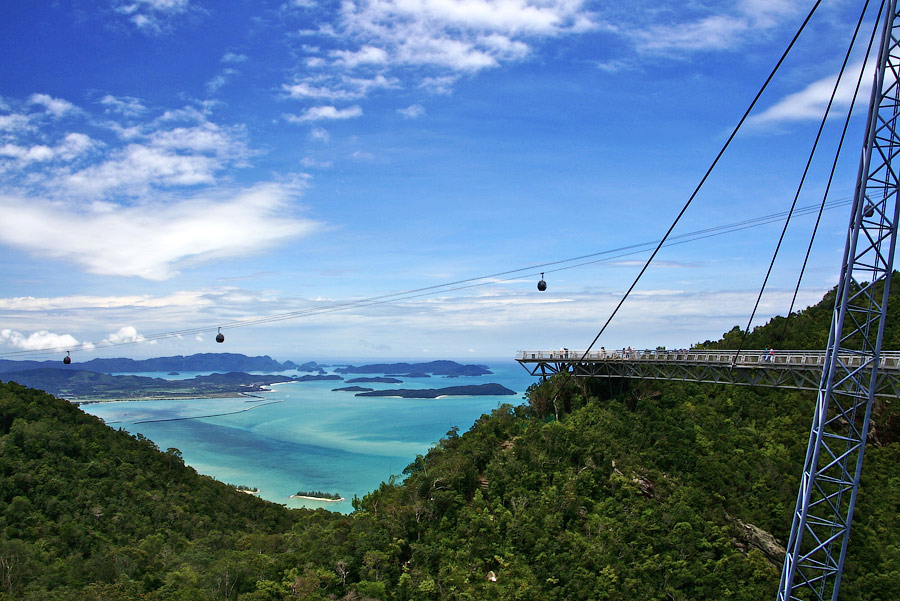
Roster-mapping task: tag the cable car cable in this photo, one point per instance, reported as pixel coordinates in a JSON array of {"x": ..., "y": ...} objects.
[{"x": 444, "y": 288}]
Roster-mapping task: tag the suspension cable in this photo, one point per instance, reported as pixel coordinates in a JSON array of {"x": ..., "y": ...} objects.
[
  {"x": 809, "y": 160},
  {"x": 828, "y": 186},
  {"x": 707, "y": 174}
]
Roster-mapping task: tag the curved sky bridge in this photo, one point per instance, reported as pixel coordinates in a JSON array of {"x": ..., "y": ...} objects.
[{"x": 783, "y": 369}]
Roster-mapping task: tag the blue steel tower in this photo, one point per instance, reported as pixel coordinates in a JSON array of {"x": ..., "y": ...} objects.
[{"x": 820, "y": 533}]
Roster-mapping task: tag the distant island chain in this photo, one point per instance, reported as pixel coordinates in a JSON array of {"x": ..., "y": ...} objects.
[{"x": 115, "y": 380}]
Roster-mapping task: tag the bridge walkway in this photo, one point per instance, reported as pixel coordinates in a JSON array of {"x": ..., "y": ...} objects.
[{"x": 779, "y": 369}]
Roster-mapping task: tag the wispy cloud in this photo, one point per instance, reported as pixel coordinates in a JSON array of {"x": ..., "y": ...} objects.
[
  {"x": 178, "y": 299},
  {"x": 320, "y": 134},
  {"x": 413, "y": 111},
  {"x": 124, "y": 105},
  {"x": 811, "y": 101},
  {"x": 151, "y": 16},
  {"x": 340, "y": 87},
  {"x": 722, "y": 26},
  {"x": 234, "y": 58},
  {"x": 153, "y": 241},
  {"x": 325, "y": 113}
]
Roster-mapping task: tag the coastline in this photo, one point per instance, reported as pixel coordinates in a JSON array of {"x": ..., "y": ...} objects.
[{"x": 166, "y": 397}]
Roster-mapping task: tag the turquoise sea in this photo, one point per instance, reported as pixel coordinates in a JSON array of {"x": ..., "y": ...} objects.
[{"x": 303, "y": 436}]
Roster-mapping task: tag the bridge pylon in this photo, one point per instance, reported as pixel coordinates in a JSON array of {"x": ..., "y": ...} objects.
[{"x": 817, "y": 547}]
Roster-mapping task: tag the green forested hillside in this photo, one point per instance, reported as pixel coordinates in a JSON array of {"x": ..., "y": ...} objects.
[
  {"x": 645, "y": 490},
  {"x": 808, "y": 329}
]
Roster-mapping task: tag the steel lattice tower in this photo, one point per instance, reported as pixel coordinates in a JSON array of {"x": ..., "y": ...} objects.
[{"x": 817, "y": 546}]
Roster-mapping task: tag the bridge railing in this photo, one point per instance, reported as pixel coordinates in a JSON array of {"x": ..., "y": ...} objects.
[{"x": 762, "y": 358}]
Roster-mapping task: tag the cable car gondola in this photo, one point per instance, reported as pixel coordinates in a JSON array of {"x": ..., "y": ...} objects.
[
  {"x": 542, "y": 285},
  {"x": 67, "y": 359},
  {"x": 220, "y": 337}
]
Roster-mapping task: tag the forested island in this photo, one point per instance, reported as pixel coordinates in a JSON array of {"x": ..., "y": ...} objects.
[
  {"x": 437, "y": 368},
  {"x": 98, "y": 380},
  {"x": 378, "y": 379},
  {"x": 221, "y": 362},
  {"x": 83, "y": 386},
  {"x": 317, "y": 378},
  {"x": 433, "y": 393},
  {"x": 588, "y": 490}
]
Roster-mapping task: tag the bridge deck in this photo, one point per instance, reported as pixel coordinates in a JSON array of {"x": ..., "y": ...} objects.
[{"x": 789, "y": 369}]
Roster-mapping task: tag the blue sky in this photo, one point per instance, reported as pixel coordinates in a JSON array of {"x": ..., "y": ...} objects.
[{"x": 170, "y": 165}]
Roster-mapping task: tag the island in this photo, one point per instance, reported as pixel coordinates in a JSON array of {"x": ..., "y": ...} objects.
[
  {"x": 352, "y": 389},
  {"x": 381, "y": 380},
  {"x": 84, "y": 386},
  {"x": 436, "y": 368},
  {"x": 223, "y": 362},
  {"x": 173, "y": 373},
  {"x": 433, "y": 393},
  {"x": 415, "y": 374},
  {"x": 317, "y": 378},
  {"x": 316, "y": 495}
]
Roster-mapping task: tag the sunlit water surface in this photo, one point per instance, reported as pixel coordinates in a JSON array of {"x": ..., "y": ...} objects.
[{"x": 304, "y": 436}]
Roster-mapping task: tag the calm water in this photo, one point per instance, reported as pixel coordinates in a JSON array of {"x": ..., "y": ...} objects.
[{"x": 303, "y": 436}]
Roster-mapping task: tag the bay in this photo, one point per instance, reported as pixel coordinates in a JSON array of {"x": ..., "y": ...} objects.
[{"x": 304, "y": 436}]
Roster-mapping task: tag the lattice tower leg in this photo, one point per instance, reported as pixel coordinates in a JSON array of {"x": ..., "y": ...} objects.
[{"x": 817, "y": 546}]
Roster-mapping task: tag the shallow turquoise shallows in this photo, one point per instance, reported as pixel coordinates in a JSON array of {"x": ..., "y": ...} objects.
[{"x": 303, "y": 436}]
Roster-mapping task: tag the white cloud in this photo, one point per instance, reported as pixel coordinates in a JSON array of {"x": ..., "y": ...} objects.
[
  {"x": 153, "y": 241},
  {"x": 310, "y": 162},
  {"x": 367, "y": 55},
  {"x": 723, "y": 27},
  {"x": 138, "y": 167},
  {"x": 55, "y": 106},
  {"x": 151, "y": 16},
  {"x": 439, "y": 85},
  {"x": 15, "y": 122},
  {"x": 156, "y": 157},
  {"x": 38, "y": 341},
  {"x": 124, "y": 105},
  {"x": 413, "y": 111},
  {"x": 220, "y": 80},
  {"x": 321, "y": 113},
  {"x": 320, "y": 134},
  {"x": 184, "y": 298},
  {"x": 126, "y": 334},
  {"x": 715, "y": 32},
  {"x": 72, "y": 146},
  {"x": 338, "y": 88},
  {"x": 459, "y": 36},
  {"x": 810, "y": 102},
  {"x": 233, "y": 57}
]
